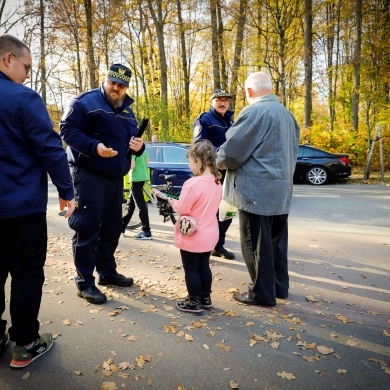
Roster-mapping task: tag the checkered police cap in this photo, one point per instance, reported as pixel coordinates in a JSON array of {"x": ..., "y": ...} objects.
[{"x": 120, "y": 74}]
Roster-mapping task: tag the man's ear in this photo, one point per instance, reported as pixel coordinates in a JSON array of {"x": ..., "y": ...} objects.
[{"x": 249, "y": 92}]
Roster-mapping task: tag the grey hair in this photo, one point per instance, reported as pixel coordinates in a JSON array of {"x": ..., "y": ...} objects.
[
  {"x": 9, "y": 44},
  {"x": 259, "y": 81}
]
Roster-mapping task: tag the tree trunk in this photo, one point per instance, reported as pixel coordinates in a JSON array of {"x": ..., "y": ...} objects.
[
  {"x": 221, "y": 51},
  {"x": 159, "y": 24},
  {"x": 91, "y": 58},
  {"x": 186, "y": 79},
  {"x": 42, "y": 62},
  {"x": 356, "y": 66},
  {"x": 237, "y": 51},
  {"x": 308, "y": 63},
  {"x": 214, "y": 44}
]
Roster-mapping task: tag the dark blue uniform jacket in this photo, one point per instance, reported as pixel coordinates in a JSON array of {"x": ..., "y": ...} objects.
[
  {"x": 90, "y": 120},
  {"x": 212, "y": 126}
]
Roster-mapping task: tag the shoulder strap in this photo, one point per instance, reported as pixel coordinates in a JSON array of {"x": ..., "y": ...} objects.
[{"x": 207, "y": 205}]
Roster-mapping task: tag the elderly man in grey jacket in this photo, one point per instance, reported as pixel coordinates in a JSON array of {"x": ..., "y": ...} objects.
[{"x": 260, "y": 154}]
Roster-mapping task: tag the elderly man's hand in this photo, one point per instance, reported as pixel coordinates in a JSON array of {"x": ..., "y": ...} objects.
[{"x": 136, "y": 144}]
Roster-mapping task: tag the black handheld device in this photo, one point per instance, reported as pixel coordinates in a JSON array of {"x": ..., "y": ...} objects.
[{"x": 141, "y": 129}]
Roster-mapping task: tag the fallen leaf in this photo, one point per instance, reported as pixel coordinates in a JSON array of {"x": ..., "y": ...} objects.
[
  {"x": 311, "y": 298},
  {"x": 114, "y": 312},
  {"x": 26, "y": 375},
  {"x": 205, "y": 346},
  {"x": 78, "y": 373},
  {"x": 343, "y": 319},
  {"x": 386, "y": 333},
  {"x": 66, "y": 322},
  {"x": 324, "y": 350},
  {"x": 233, "y": 385},
  {"x": 286, "y": 375},
  {"x": 231, "y": 313},
  {"x": 132, "y": 338},
  {"x": 124, "y": 365},
  {"x": 352, "y": 343},
  {"x": 108, "y": 386},
  {"x": 188, "y": 337},
  {"x": 341, "y": 371}
]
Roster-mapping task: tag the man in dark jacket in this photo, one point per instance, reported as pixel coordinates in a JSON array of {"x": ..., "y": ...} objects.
[
  {"x": 213, "y": 125},
  {"x": 29, "y": 150},
  {"x": 99, "y": 129}
]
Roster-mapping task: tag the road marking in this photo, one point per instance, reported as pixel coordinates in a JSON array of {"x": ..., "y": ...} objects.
[{"x": 317, "y": 196}]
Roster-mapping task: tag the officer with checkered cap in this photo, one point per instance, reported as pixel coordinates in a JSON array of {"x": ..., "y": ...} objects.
[
  {"x": 213, "y": 125},
  {"x": 100, "y": 130}
]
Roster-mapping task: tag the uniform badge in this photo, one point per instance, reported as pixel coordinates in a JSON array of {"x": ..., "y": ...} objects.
[{"x": 197, "y": 130}]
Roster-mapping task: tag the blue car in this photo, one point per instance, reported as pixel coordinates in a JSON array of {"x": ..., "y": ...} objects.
[{"x": 168, "y": 158}]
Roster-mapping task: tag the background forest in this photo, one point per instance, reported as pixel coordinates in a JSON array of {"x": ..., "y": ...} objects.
[{"x": 329, "y": 60}]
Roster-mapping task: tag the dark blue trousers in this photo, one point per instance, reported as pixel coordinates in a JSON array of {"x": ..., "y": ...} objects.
[
  {"x": 264, "y": 245},
  {"x": 23, "y": 243},
  {"x": 97, "y": 222}
]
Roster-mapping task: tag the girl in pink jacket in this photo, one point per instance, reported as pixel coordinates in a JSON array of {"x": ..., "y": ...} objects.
[{"x": 199, "y": 198}]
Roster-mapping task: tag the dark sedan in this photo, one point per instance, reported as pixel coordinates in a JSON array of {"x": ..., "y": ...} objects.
[{"x": 314, "y": 166}]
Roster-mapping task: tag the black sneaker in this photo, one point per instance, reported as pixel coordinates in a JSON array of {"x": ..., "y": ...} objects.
[
  {"x": 143, "y": 236},
  {"x": 92, "y": 295},
  {"x": 4, "y": 342},
  {"x": 222, "y": 252},
  {"x": 116, "y": 280},
  {"x": 190, "y": 305},
  {"x": 22, "y": 357},
  {"x": 205, "y": 301}
]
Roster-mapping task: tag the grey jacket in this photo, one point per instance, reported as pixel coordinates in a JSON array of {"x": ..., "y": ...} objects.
[{"x": 260, "y": 154}]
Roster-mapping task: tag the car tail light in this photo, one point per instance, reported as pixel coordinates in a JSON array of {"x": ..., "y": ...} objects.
[{"x": 345, "y": 160}]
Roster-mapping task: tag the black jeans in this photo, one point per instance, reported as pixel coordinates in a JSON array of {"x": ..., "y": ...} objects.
[
  {"x": 197, "y": 272},
  {"x": 264, "y": 244},
  {"x": 23, "y": 243},
  {"x": 137, "y": 198}
]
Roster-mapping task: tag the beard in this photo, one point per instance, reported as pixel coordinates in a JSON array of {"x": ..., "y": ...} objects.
[{"x": 115, "y": 102}]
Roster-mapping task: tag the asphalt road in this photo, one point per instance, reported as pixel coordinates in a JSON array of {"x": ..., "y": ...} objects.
[{"x": 332, "y": 332}]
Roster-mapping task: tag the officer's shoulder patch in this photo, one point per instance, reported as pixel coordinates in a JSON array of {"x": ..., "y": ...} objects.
[{"x": 197, "y": 130}]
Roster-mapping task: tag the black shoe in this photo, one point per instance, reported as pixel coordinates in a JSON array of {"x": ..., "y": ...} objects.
[
  {"x": 116, "y": 280},
  {"x": 248, "y": 300},
  {"x": 92, "y": 295},
  {"x": 4, "y": 342},
  {"x": 222, "y": 252},
  {"x": 205, "y": 301},
  {"x": 190, "y": 305}
]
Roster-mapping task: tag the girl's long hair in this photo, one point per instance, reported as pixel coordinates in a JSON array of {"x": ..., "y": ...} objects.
[{"x": 203, "y": 151}]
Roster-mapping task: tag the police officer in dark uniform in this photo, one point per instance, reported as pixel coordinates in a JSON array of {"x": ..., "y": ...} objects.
[
  {"x": 213, "y": 125},
  {"x": 99, "y": 129}
]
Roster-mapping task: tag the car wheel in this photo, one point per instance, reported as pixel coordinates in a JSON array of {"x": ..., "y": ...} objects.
[{"x": 317, "y": 176}]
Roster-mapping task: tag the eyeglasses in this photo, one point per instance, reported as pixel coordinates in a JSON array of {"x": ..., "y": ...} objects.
[{"x": 27, "y": 67}]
